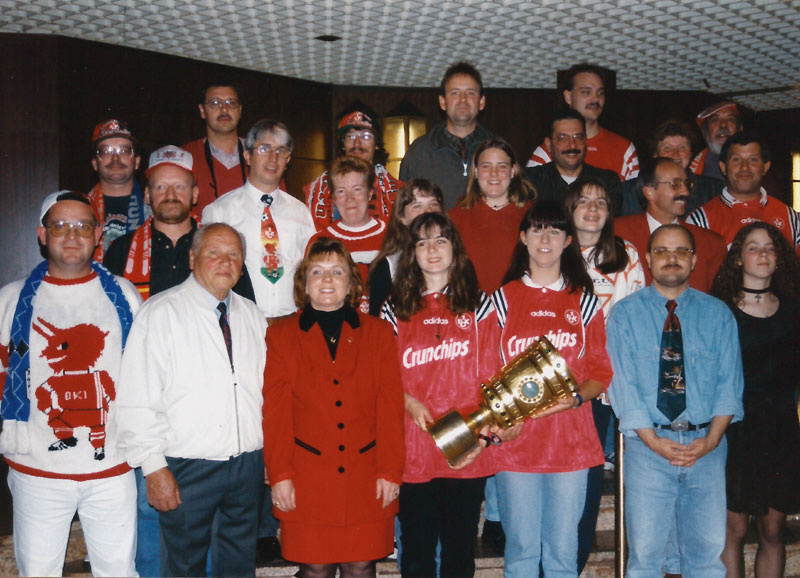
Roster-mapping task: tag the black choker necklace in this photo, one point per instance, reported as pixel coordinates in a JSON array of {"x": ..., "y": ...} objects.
[{"x": 757, "y": 292}]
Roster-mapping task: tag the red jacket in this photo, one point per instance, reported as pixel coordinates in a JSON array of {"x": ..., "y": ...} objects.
[
  {"x": 227, "y": 179},
  {"x": 710, "y": 251},
  {"x": 333, "y": 428}
]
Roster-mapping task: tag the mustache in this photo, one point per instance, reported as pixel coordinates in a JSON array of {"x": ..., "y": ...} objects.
[
  {"x": 682, "y": 198},
  {"x": 115, "y": 165},
  {"x": 571, "y": 152},
  {"x": 225, "y": 116}
]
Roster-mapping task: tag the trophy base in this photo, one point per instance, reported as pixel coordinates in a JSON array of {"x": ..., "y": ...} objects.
[{"x": 453, "y": 436}]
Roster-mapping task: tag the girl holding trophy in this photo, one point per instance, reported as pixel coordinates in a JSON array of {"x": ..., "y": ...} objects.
[
  {"x": 435, "y": 310},
  {"x": 542, "y": 473}
]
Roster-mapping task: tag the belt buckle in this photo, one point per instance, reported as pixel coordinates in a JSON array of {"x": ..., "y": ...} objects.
[{"x": 680, "y": 425}]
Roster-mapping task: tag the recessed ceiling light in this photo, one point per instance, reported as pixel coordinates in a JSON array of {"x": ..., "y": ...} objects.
[{"x": 328, "y": 38}]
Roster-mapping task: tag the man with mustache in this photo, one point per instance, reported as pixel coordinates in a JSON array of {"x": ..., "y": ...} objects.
[
  {"x": 566, "y": 140},
  {"x": 359, "y": 137},
  {"x": 674, "y": 139},
  {"x": 717, "y": 122},
  {"x": 744, "y": 160},
  {"x": 155, "y": 257},
  {"x": 677, "y": 385},
  {"x": 584, "y": 90},
  {"x": 219, "y": 164},
  {"x": 117, "y": 199},
  {"x": 665, "y": 186}
]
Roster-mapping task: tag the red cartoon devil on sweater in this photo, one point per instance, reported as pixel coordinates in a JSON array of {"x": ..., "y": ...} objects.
[{"x": 75, "y": 396}]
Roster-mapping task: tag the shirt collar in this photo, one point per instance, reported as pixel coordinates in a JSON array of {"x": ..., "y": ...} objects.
[
  {"x": 557, "y": 285},
  {"x": 307, "y": 320},
  {"x": 730, "y": 200},
  {"x": 255, "y": 193},
  {"x": 653, "y": 224},
  {"x": 212, "y": 301}
]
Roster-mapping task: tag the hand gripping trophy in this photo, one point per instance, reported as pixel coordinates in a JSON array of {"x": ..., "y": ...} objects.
[{"x": 526, "y": 386}]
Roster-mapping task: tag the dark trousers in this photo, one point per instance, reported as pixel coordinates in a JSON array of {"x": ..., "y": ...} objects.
[
  {"x": 446, "y": 510},
  {"x": 594, "y": 489},
  {"x": 232, "y": 490}
]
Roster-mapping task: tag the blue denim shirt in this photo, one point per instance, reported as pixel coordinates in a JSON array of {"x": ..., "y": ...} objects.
[{"x": 712, "y": 359}]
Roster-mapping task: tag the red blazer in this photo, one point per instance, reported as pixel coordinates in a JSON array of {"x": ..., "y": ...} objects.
[
  {"x": 333, "y": 427},
  {"x": 710, "y": 251}
]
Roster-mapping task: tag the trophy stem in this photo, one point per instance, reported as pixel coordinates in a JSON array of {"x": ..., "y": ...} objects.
[{"x": 479, "y": 419}]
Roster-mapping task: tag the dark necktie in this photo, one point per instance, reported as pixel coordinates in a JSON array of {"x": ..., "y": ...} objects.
[
  {"x": 226, "y": 329},
  {"x": 671, "y": 377}
]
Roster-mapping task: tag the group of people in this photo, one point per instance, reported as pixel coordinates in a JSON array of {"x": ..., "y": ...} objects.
[{"x": 282, "y": 362}]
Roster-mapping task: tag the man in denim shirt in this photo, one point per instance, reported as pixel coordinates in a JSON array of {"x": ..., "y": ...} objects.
[{"x": 675, "y": 467}]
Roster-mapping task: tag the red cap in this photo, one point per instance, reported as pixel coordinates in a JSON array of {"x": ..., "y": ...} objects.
[
  {"x": 111, "y": 128},
  {"x": 714, "y": 109},
  {"x": 357, "y": 120}
]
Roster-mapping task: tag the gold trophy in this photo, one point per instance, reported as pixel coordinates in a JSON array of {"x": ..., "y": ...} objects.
[{"x": 527, "y": 385}]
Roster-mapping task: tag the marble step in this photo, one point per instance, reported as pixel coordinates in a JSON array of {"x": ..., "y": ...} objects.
[{"x": 601, "y": 562}]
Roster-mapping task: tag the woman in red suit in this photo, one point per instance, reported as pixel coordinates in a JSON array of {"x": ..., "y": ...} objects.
[{"x": 333, "y": 422}]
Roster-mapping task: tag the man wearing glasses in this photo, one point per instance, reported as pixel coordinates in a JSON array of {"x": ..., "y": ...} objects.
[
  {"x": 360, "y": 137},
  {"x": 677, "y": 385},
  {"x": 584, "y": 90},
  {"x": 117, "y": 199},
  {"x": 219, "y": 164},
  {"x": 566, "y": 140},
  {"x": 666, "y": 188},
  {"x": 62, "y": 332},
  {"x": 275, "y": 225}
]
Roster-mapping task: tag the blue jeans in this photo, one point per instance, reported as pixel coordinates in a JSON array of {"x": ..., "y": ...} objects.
[
  {"x": 490, "y": 510},
  {"x": 540, "y": 515},
  {"x": 148, "y": 532},
  {"x": 656, "y": 493}
]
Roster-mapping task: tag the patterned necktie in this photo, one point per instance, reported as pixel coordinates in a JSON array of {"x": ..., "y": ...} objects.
[
  {"x": 671, "y": 377},
  {"x": 226, "y": 329},
  {"x": 271, "y": 267}
]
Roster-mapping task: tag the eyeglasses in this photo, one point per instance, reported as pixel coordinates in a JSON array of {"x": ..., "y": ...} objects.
[
  {"x": 62, "y": 228},
  {"x": 364, "y": 136},
  {"x": 265, "y": 149},
  {"x": 676, "y": 184},
  {"x": 680, "y": 252},
  {"x": 122, "y": 151},
  {"x": 219, "y": 102},
  {"x": 562, "y": 138}
]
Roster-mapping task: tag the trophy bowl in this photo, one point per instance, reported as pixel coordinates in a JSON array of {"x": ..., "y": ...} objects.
[{"x": 526, "y": 386}]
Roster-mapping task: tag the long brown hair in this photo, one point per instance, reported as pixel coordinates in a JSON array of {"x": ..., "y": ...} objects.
[
  {"x": 520, "y": 191},
  {"x": 463, "y": 291},
  {"x": 609, "y": 252},
  {"x": 785, "y": 282},
  {"x": 396, "y": 232},
  {"x": 552, "y": 214}
]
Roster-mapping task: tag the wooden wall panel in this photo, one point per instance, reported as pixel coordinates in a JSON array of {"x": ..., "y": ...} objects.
[
  {"x": 29, "y": 147},
  {"x": 59, "y": 88}
]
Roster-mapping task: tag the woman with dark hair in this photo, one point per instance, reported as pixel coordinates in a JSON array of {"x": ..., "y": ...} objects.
[
  {"x": 616, "y": 272},
  {"x": 416, "y": 197},
  {"x": 434, "y": 311},
  {"x": 333, "y": 422},
  {"x": 488, "y": 216},
  {"x": 760, "y": 282},
  {"x": 541, "y": 483}
]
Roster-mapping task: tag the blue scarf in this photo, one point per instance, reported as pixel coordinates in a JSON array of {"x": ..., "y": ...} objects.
[{"x": 15, "y": 404}]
